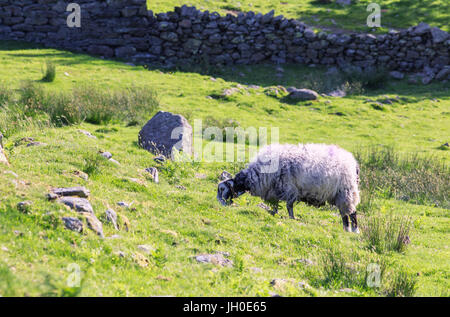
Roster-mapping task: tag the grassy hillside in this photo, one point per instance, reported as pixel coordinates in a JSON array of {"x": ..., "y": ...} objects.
[
  {"x": 395, "y": 13},
  {"x": 180, "y": 217}
]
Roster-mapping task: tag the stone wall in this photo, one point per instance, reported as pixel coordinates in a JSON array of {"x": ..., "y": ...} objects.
[{"x": 126, "y": 29}]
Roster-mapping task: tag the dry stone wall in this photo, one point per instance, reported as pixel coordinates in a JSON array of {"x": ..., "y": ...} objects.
[{"x": 127, "y": 30}]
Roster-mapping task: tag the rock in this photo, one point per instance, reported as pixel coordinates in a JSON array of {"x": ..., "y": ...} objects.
[
  {"x": 397, "y": 75},
  {"x": 153, "y": 172},
  {"x": 111, "y": 217},
  {"x": 225, "y": 175},
  {"x": 181, "y": 187},
  {"x": 114, "y": 161},
  {"x": 421, "y": 28},
  {"x": 166, "y": 131},
  {"x": 81, "y": 175},
  {"x": 93, "y": 223},
  {"x": 72, "y": 191},
  {"x": 87, "y": 133},
  {"x": 216, "y": 259},
  {"x": 51, "y": 196},
  {"x": 344, "y": 2},
  {"x": 160, "y": 159},
  {"x": 73, "y": 224},
  {"x": 302, "y": 94},
  {"x": 444, "y": 73},
  {"x": 125, "y": 222},
  {"x": 123, "y": 204},
  {"x": 106, "y": 155},
  {"x": 338, "y": 93},
  {"x": 439, "y": 35},
  {"x": 24, "y": 207},
  {"x": 77, "y": 204}
]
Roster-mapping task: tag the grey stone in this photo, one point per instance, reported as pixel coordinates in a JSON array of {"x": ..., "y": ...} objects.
[
  {"x": 153, "y": 171},
  {"x": 72, "y": 191},
  {"x": 439, "y": 35},
  {"x": 111, "y": 217},
  {"x": 397, "y": 75},
  {"x": 302, "y": 94},
  {"x": 165, "y": 132},
  {"x": 216, "y": 259},
  {"x": 73, "y": 224},
  {"x": 93, "y": 223},
  {"x": 77, "y": 204}
]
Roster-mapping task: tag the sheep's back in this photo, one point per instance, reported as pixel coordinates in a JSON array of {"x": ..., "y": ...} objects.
[{"x": 312, "y": 171}]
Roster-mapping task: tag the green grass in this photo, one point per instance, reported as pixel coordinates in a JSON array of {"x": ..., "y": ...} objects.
[
  {"x": 35, "y": 249},
  {"x": 395, "y": 13}
]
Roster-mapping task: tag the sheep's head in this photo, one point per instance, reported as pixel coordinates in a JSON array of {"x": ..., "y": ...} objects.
[
  {"x": 225, "y": 192},
  {"x": 229, "y": 189}
]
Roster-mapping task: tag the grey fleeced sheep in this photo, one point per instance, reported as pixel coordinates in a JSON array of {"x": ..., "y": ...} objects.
[{"x": 312, "y": 173}]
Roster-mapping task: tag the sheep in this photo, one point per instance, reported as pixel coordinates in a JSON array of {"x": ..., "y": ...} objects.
[{"x": 311, "y": 173}]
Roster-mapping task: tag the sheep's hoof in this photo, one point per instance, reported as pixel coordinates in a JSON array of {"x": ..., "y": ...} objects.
[
  {"x": 355, "y": 230},
  {"x": 348, "y": 229}
]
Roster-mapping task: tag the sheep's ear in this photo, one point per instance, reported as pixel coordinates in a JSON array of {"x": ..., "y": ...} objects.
[{"x": 225, "y": 176}]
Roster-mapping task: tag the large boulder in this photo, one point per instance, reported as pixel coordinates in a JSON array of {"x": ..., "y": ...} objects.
[{"x": 166, "y": 131}]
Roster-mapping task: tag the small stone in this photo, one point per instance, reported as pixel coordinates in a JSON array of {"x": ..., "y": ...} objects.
[
  {"x": 24, "y": 207},
  {"x": 153, "y": 172},
  {"x": 93, "y": 223},
  {"x": 81, "y": 175},
  {"x": 123, "y": 204},
  {"x": 160, "y": 159},
  {"x": 216, "y": 259},
  {"x": 73, "y": 224},
  {"x": 114, "y": 161},
  {"x": 181, "y": 187},
  {"x": 51, "y": 196},
  {"x": 111, "y": 217},
  {"x": 87, "y": 133},
  {"x": 106, "y": 155}
]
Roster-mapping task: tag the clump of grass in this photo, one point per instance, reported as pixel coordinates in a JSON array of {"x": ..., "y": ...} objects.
[
  {"x": 93, "y": 163},
  {"x": 368, "y": 78},
  {"x": 50, "y": 72},
  {"x": 86, "y": 103},
  {"x": 348, "y": 270},
  {"x": 403, "y": 284},
  {"x": 384, "y": 233},
  {"x": 409, "y": 177}
]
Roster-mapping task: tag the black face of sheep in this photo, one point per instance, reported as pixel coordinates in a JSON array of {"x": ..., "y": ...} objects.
[{"x": 227, "y": 190}]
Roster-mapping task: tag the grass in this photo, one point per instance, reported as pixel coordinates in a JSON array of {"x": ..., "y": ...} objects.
[
  {"x": 395, "y": 14},
  {"x": 50, "y": 72},
  {"x": 180, "y": 217}
]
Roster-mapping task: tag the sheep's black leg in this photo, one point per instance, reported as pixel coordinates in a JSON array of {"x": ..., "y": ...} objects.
[
  {"x": 346, "y": 223},
  {"x": 290, "y": 208},
  {"x": 354, "y": 222},
  {"x": 274, "y": 211}
]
